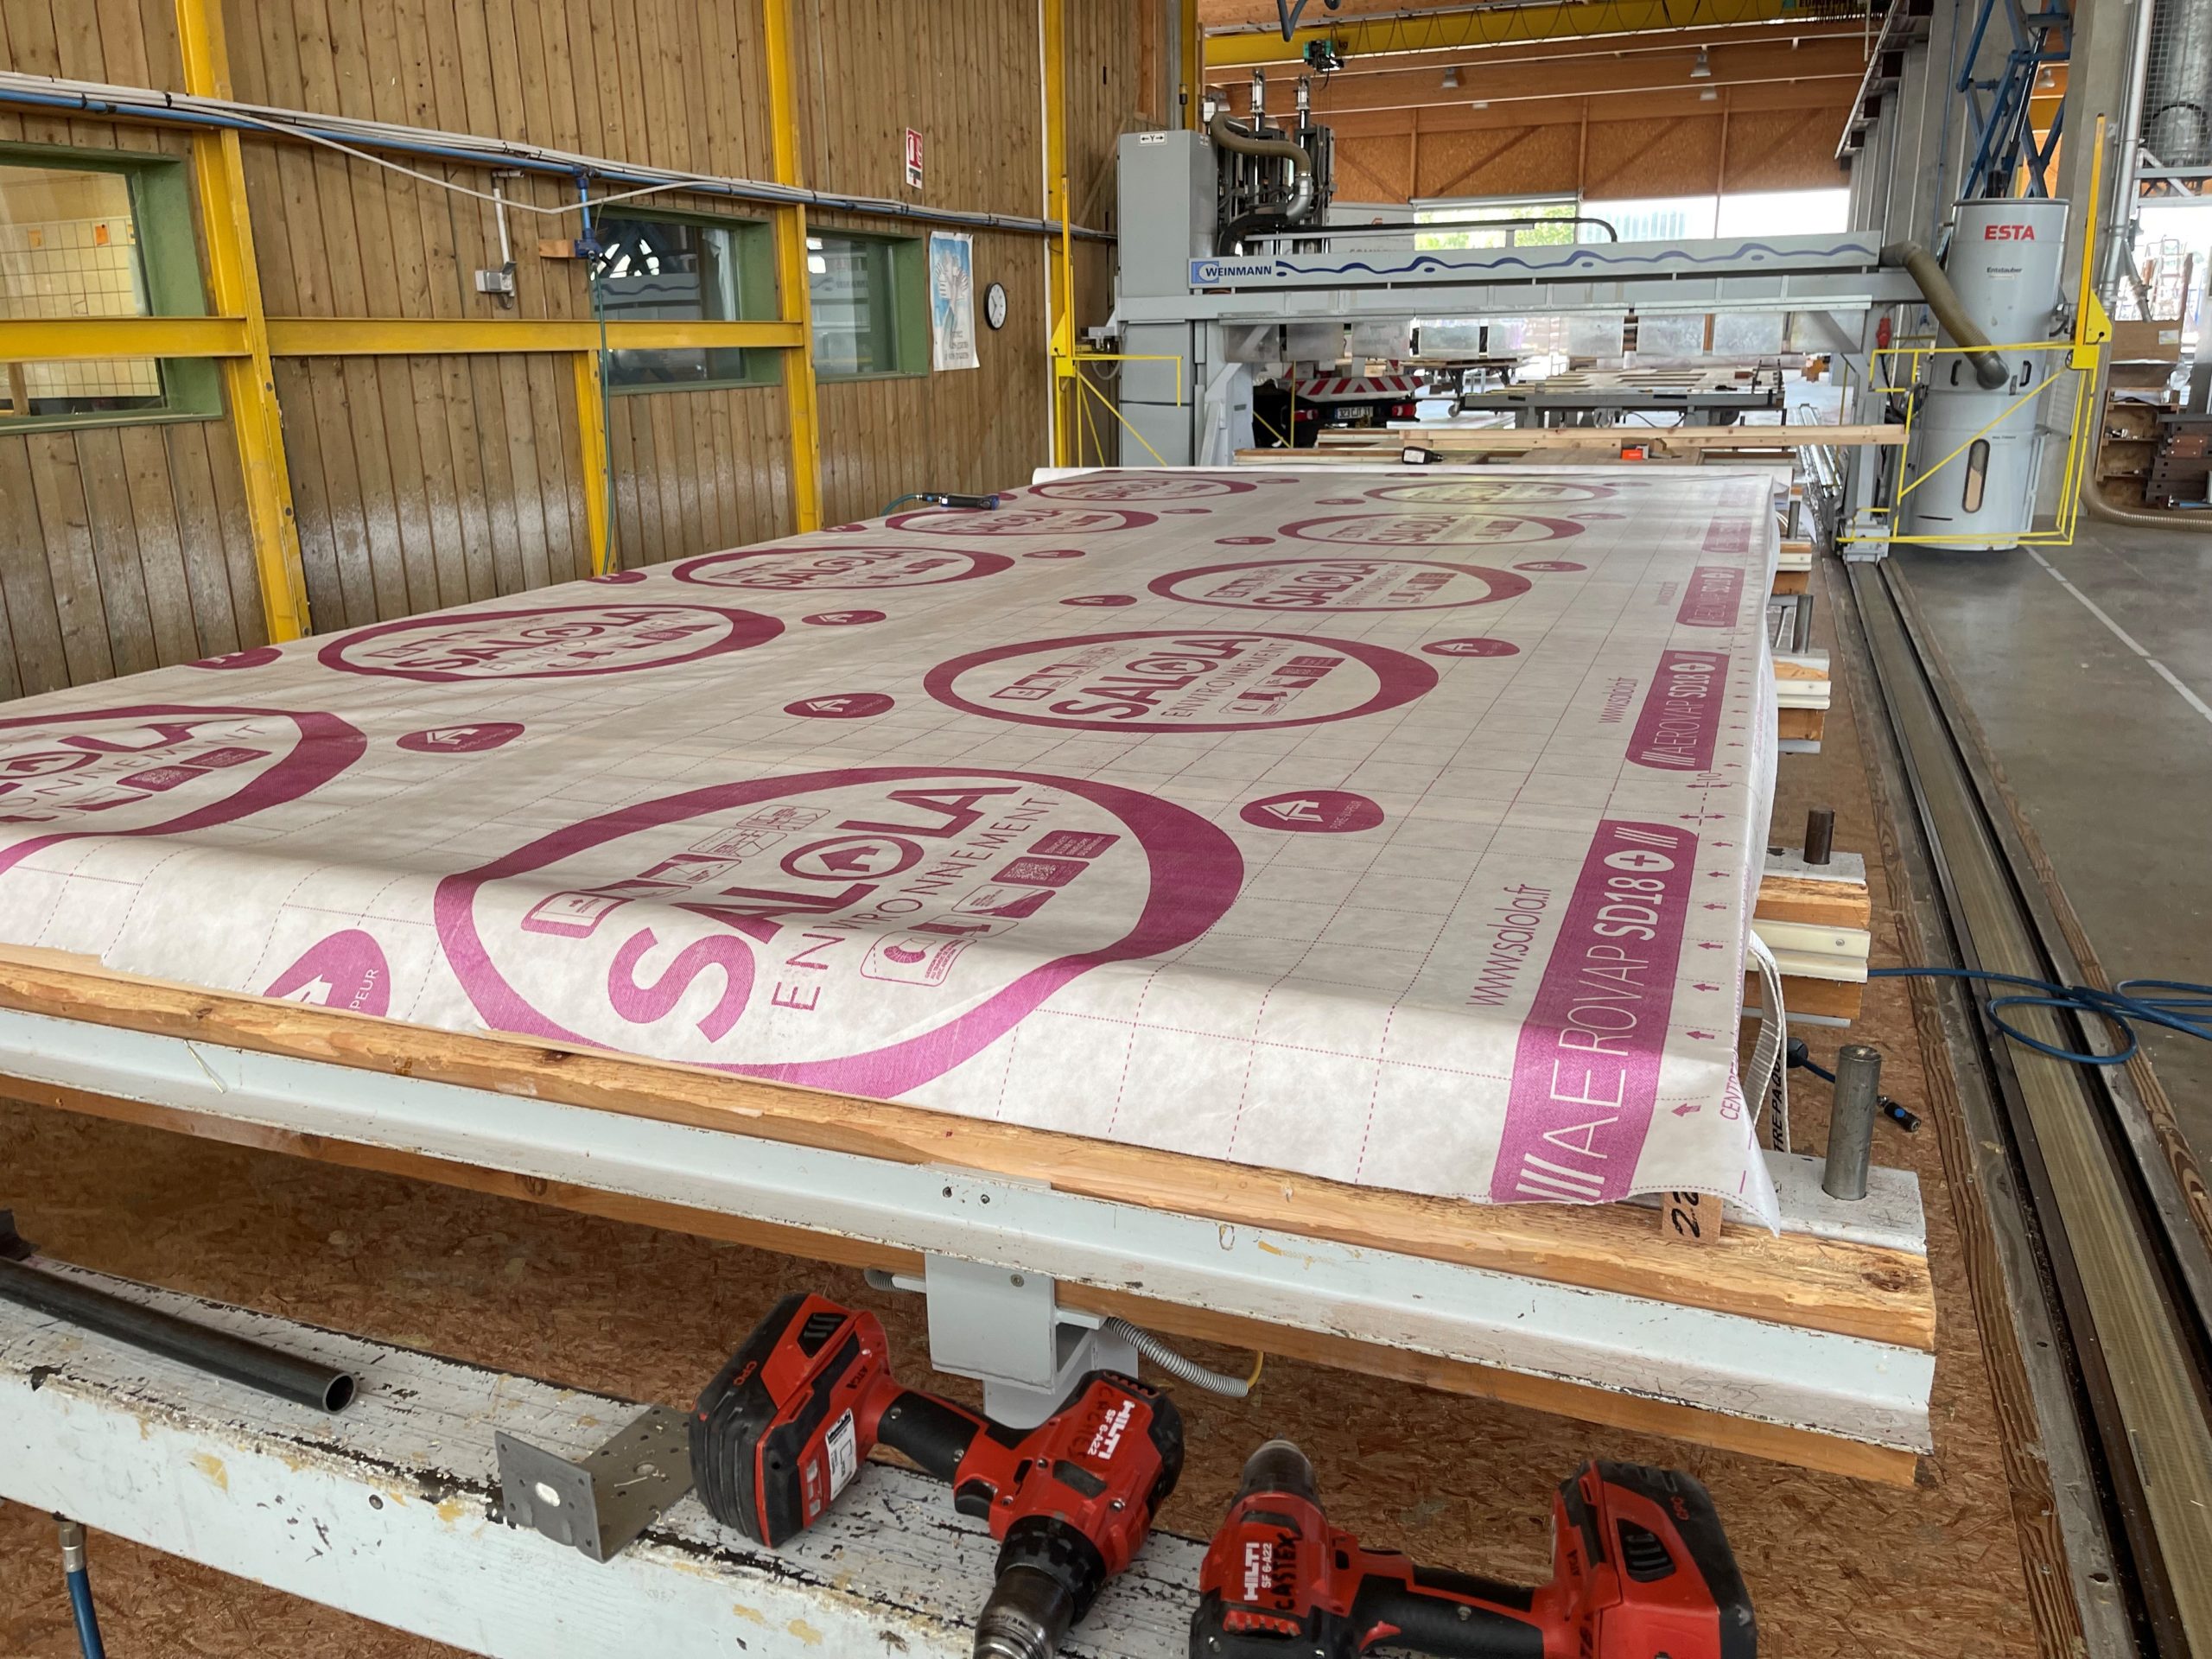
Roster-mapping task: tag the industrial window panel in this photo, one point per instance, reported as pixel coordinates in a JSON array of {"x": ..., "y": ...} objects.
[
  {"x": 684, "y": 270},
  {"x": 94, "y": 233},
  {"x": 870, "y": 299}
]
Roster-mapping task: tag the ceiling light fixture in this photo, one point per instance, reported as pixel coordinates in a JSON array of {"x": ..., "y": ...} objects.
[
  {"x": 1702, "y": 69},
  {"x": 1451, "y": 77},
  {"x": 1708, "y": 96},
  {"x": 1478, "y": 103}
]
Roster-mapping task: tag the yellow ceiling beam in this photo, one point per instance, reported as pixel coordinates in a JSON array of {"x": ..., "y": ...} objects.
[{"x": 1544, "y": 20}]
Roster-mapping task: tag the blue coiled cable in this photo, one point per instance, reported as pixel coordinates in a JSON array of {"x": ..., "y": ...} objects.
[{"x": 2186, "y": 1008}]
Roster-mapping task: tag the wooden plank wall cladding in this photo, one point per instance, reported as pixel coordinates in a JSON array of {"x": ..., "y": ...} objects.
[
  {"x": 122, "y": 548},
  {"x": 426, "y": 481}
]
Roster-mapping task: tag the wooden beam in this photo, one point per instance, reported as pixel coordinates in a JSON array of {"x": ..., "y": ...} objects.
[
  {"x": 1793, "y": 1278},
  {"x": 1804, "y": 1448},
  {"x": 1809, "y": 898}
]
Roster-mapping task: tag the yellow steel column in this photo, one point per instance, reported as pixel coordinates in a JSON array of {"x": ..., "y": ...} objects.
[
  {"x": 591, "y": 426},
  {"x": 792, "y": 274},
  {"x": 250, "y": 380},
  {"x": 1059, "y": 286}
]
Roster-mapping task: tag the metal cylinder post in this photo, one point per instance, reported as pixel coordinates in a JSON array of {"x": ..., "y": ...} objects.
[
  {"x": 1820, "y": 835},
  {"x": 1850, "y": 1120}
]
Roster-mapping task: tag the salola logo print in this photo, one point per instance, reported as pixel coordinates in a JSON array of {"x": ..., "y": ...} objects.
[
  {"x": 159, "y": 769},
  {"x": 1146, "y": 487},
  {"x": 1347, "y": 584},
  {"x": 1021, "y": 521},
  {"x": 1200, "y": 681},
  {"x": 549, "y": 642},
  {"x": 1483, "y": 493},
  {"x": 1430, "y": 529},
  {"x": 865, "y": 930},
  {"x": 842, "y": 569}
]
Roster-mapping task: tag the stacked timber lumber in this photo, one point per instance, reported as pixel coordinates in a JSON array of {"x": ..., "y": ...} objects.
[
  {"x": 1801, "y": 689},
  {"x": 1793, "y": 572},
  {"x": 1816, "y": 920}
]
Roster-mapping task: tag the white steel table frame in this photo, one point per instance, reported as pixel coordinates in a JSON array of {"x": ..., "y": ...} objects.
[{"x": 1850, "y": 1387}]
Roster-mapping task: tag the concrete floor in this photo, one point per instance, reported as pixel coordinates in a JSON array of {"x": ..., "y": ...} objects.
[{"x": 2090, "y": 669}]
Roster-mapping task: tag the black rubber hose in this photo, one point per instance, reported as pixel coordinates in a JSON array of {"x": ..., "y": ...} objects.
[{"x": 303, "y": 1382}]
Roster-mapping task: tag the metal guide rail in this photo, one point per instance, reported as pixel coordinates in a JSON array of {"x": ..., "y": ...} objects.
[{"x": 2112, "y": 1286}]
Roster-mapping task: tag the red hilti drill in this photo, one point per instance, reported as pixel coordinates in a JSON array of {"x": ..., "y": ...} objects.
[
  {"x": 1640, "y": 1568},
  {"x": 784, "y": 1426}
]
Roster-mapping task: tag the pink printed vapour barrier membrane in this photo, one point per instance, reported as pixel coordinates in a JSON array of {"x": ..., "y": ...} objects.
[{"x": 1400, "y": 830}]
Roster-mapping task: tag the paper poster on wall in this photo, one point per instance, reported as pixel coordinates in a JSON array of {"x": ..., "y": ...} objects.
[{"x": 952, "y": 300}]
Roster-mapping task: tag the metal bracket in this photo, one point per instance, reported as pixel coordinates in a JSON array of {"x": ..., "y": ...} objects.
[
  {"x": 1009, "y": 1331},
  {"x": 598, "y": 1505}
]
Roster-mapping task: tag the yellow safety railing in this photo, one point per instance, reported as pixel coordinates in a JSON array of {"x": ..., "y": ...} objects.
[
  {"x": 1902, "y": 370},
  {"x": 2092, "y": 328},
  {"x": 1069, "y": 366}
]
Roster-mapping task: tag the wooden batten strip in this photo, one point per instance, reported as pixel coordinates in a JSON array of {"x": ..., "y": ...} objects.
[{"x": 1793, "y": 1278}]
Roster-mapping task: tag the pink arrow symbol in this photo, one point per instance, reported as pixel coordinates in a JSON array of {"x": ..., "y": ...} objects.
[
  {"x": 1715, "y": 905},
  {"x": 1708, "y": 945},
  {"x": 1702, "y": 986},
  {"x": 1702, "y": 1036},
  {"x": 1687, "y": 1107}
]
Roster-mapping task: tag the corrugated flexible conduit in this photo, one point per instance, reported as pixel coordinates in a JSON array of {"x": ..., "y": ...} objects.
[
  {"x": 1226, "y": 133},
  {"x": 1943, "y": 300}
]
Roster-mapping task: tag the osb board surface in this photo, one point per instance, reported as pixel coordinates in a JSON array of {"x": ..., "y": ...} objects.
[{"x": 1836, "y": 1567}]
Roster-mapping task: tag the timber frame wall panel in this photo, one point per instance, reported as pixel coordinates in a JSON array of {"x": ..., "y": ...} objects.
[{"x": 425, "y": 480}]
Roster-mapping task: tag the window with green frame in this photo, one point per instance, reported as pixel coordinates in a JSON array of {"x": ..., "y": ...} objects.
[
  {"x": 685, "y": 268},
  {"x": 100, "y": 234},
  {"x": 871, "y": 299}
]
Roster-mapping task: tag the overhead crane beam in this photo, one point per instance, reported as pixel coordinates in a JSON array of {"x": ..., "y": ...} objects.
[{"x": 1547, "y": 20}]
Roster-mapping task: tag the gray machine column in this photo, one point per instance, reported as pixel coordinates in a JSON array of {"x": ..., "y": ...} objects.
[{"x": 1166, "y": 183}]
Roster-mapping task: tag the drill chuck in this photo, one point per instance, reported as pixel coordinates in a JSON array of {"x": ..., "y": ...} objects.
[{"x": 1026, "y": 1617}]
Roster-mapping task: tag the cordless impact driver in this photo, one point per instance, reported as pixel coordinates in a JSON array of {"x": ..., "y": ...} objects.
[
  {"x": 1640, "y": 1569},
  {"x": 787, "y": 1422}
]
